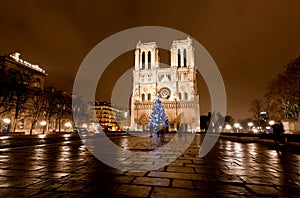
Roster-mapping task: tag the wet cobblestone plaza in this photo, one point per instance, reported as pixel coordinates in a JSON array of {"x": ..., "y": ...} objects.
[{"x": 230, "y": 169}]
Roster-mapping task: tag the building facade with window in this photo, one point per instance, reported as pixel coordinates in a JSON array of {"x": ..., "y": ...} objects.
[
  {"x": 110, "y": 117},
  {"x": 13, "y": 62},
  {"x": 19, "y": 81},
  {"x": 176, "y": 85}
]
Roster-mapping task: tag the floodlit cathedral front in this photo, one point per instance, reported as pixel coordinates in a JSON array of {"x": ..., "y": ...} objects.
[{"x": 175, "y": 85}]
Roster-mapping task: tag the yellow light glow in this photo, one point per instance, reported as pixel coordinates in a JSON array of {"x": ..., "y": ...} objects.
[
  {"x": 236, "y": 125},
  {"x": 6, "y": 120},
  {"x": 68, "y": 124},
  {"x": 42, "y": 136},
  {"x": 271, "y": 122},
  {"x": 43, "y": 123},
  {"x": 228, "y": 127}
]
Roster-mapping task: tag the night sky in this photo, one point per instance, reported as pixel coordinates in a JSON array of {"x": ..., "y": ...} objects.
[{"x": 250, "y": 41}]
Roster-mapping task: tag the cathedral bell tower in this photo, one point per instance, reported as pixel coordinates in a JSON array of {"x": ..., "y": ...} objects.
[{"x": 176, "y": 86}]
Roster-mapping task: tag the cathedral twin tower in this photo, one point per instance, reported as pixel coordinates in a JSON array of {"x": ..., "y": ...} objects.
[{"x": 176, "y": 86}]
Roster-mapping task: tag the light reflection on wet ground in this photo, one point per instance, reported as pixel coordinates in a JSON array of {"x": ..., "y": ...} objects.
[{"x": 69, "y": 169}]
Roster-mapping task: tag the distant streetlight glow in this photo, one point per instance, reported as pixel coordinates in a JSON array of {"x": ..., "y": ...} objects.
[
  {"x": 68, "y": 124},
  {"x": 237, "y": 126},
  {"x": 271, "y": 122},
  {"x": 228, "y": 127},
  {"x": 250, "y": 124},
  {"x": 43, "y": 123},
  {"x": 6, "y": 120},
  {"x": 84, "y": 125}
]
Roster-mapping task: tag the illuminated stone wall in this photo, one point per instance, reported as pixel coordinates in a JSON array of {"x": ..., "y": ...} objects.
[{"x": 176, "y": 86}]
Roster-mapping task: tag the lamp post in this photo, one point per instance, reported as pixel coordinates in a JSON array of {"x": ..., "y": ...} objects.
[
  {"x": 237, "y": 126},
  {"x": 43, "y": 124},
  {"x": 271, "y": 122},
  {"x": 228, "y": 127},
  {"x": 250, "y": 124},
  {"x": 7, "y": 122},
  {"x": 68, "y": 125}
]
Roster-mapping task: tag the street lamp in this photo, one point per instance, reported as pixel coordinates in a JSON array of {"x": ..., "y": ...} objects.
[
  {"x": 271, "y": 122},
  {"x": 43, "y": 124},
  {"x": 7, "y": 122},
  {"x": 237, "y": 126},
  {"x": 68, "y": 125},
  {"x": 250, "y": 124},
  {"x": 228, "y": 127}
]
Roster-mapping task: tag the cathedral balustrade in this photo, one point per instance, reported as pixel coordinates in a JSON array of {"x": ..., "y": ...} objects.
[{"x": 167, "y": 105}]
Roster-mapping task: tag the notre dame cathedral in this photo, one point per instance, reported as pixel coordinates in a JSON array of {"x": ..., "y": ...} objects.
[{"x": 176, "y": 85}]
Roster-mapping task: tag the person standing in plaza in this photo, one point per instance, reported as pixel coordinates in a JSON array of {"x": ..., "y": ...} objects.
[{"x": 278, "y": 130}]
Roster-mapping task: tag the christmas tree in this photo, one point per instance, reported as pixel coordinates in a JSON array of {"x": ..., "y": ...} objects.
[{"x": 158, "y": 118}]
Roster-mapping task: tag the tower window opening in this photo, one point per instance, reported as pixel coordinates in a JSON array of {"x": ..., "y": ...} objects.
[
  {"x": 143, "y": 60},
  {"x": 179, "y": 58},
  {"x": 143, "y": 97},
  {"x": 186, "y": 96},
  {"x": 184, "y": 58},
  {"x": 149, "y": 60},
  {"x": 149, "y": 97},
  {"x": 179, "y": 96}
]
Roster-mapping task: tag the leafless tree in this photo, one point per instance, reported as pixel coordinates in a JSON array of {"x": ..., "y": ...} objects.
[
  {"x": 256, "y": 107},
  {"x": 283, "y": 94},
  {"x": 36, "y": 106},
  {"x": 19, "y": 82}
]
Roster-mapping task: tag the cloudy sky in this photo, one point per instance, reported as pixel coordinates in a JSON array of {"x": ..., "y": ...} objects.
[{"x": 250, "y": 41}]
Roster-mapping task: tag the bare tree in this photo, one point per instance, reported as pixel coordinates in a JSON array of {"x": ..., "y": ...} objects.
[
  {"x": 36, "y": 106},
  {"x": 6, "y": 92},
  {"x": 256, "y": 107},
  {"x": 63, "y": 107},
  {"x": 50, "y": 105},
  {"x": 283, "y": 95},
  {"x": 20, "y": 85}
]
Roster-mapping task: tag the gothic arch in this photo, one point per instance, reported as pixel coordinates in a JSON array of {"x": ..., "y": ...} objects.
[
  {"x": 149, "y": 60},
  {"x": 179, "y": 57},
  {"x": 143, "y": 60},
  {"x": 184, "y": 58}
]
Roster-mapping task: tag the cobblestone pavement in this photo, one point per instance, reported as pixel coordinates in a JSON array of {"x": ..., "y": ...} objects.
[{"x": 231, "y": 169}]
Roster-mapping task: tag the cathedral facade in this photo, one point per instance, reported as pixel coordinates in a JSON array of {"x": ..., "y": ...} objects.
[{"x": 176, "y": 86}]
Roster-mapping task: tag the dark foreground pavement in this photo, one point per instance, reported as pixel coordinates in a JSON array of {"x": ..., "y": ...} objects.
[{"x": 231, "y": 169}]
